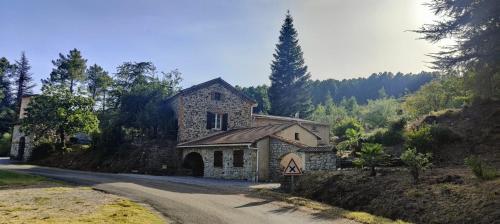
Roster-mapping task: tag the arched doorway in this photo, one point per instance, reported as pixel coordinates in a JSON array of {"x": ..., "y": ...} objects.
[
  {"x": 20, "y": 148},
  {"x": 194, "y": 162}
]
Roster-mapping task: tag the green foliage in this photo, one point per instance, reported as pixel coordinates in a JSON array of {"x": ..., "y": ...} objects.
[
  {"x": 59, "y": 113},
  {"x": 420, "y": 138},
  {"x": 42, "y": 150},
  {"x": 480, "y": 169},
  {"x": 378, "y": 113},
  {"x": 98, "y": 84},
  {"x": 369, "y": 88},
  {"x": 416, "y": 162},
  {"x": 341, "y": 127},
  {"x": 5, "y": 142},
  {"x": 69, "y": 71},
  {"x": 260, "y": 95},
  {"x": 448, "y": 92},
  {"x": 289, "y": 93},
  {"x": 371, "y": 155},
  {"x": 474, "y": 24},
  {"x": 390, "y": 136},
  {"x": 351, "y": 142}
]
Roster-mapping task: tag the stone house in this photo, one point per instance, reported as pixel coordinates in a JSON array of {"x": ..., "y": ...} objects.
[
  {"x": 219, "y": 137},
  {"x": 22, "y": 145}
]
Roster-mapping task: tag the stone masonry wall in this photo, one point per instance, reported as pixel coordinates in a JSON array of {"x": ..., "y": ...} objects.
[
  {"x": 16, "y": 136},
  {"x": 320, "y": 161},
  {"x": 227, "y": 171},
  {"x": 277, "y": 150},
  {"x": 193, "y": 107}
]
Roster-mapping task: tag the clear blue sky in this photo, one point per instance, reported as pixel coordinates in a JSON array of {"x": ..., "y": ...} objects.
[{"x": 206, "y": 39}]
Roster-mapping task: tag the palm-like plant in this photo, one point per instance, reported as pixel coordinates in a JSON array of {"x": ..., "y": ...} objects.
[{"x": 371, "y": 155}]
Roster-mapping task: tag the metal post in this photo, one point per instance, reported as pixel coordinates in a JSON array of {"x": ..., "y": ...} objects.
[{"x": 292, "y": 185}]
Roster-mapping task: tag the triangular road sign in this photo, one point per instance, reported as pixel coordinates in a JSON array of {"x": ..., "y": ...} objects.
[{"x": 292, "y": 169}]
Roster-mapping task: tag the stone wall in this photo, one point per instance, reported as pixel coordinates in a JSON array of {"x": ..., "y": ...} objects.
[
  {"x": 227, "y": 171},
  {"x": 277, "y": 150},
  {"x": 16, "y": 137},
  {"x": 192, "y": 111},
  {"x": 320, "y": 161}
]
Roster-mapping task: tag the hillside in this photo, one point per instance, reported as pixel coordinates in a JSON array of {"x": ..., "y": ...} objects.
[
  {"x": 478, "y": 126},
  {"x": 447, "y": 193}
]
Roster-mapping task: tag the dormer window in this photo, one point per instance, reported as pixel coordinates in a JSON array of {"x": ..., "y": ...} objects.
[{"x": 216, "y": 96}]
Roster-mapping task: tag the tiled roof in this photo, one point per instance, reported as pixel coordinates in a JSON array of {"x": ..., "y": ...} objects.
[
  {"x": 326, "y": 148},
  {"x": 238, "y": 136},
  {"x": 290, "y": 119},
  {"x": 209, "y": 83}
]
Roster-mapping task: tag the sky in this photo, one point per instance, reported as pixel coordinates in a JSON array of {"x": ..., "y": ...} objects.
[{"x": 234, "y": 40}]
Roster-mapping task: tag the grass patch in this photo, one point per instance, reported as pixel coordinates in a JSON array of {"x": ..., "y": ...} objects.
[
  {"x": 8, "y": 178},
  {"x": 326, "y": 210},
  {"x": 122, "y": 211}
]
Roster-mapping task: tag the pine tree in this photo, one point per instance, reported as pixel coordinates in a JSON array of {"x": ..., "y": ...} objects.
[
  {"x": 69, "y": 70},
  {"x": 23, "y": 79},
  {"x": 6, "y": 110},
  {"x": 289, "y": 93}
]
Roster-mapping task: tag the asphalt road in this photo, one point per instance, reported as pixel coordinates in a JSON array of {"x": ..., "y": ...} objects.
[{"x": 186, "y": 199}]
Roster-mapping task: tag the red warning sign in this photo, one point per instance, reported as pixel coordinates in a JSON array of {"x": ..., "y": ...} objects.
[{"x": 292, "y": 169}]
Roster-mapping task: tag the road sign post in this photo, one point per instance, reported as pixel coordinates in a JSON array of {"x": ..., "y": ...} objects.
[{"x": 292, "y": 169}]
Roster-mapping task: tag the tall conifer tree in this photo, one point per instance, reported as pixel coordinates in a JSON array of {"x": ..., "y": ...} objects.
[
  {"x": 69, "y": 70},
  {"x": 289, "y": 94},
  {"x": 23, "y": 79}
]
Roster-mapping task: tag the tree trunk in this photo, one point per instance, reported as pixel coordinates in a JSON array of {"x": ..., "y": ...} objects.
[
  {"x": 373, "y": 173},
  {"x": 71, "y": 86},
  {"x": 62, "y": 137},
  {"x": 103, "y": 101}
]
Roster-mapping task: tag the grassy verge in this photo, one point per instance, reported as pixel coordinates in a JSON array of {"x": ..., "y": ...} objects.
[
  {"x": 324, "y": 209},
  {"x": 8, "y": 178},
  {"x": 34, "y": 199}
]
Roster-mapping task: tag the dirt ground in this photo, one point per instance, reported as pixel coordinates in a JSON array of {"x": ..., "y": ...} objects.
[
  {"x": 444, "y": 195},
  {"x": 50, "y": 202}
]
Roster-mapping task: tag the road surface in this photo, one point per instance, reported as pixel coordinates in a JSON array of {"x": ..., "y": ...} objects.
[{"x": 186, "y": 199}]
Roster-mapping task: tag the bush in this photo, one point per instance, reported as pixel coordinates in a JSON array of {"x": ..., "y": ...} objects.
[
  {"x": 43, "y": 150},
  {"x": 416, "y": 162},
  {"x": 371, "y": 155},
  {"x": 442, "y": 135},
  {"x": 480, "y": 169},
  {"x": 387, "y": 137},
  {"x": 348, "y": 123},
  {"x": 420, "y": 138},
  {"x": 5, "y": 142}
]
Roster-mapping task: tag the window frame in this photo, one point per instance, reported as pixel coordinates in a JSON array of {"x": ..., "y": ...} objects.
[{"x": 217, "y": 121}]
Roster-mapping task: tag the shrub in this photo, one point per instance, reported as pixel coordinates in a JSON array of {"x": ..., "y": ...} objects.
[
  {"x": 480, "y": 169},
  {"x": 371, "y": 155},
  {"x": 43, "y": 150},
  {"x": 5, "y": 141},
  {"x": 442, "y": 135},
  {"x": 416, "y": 162},
  {"x": 387, "y": 137},
  {"x": 420, "y": 138},
  {"x": 348, "y": 123}
]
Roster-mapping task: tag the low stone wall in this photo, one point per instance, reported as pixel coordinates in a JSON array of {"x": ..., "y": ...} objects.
[
  {"x": 320, "y": 161},
  {"x": 227, "y": 171}
]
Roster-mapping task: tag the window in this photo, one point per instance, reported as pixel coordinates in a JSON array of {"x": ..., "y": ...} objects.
[
  {"x": 216, "y": 96},
  {"x": 218, "y": 159},
  {"x": 216, "y": 121},
  {"x": 297, "y": 136},
  {"x": 238, "y": 158}
]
